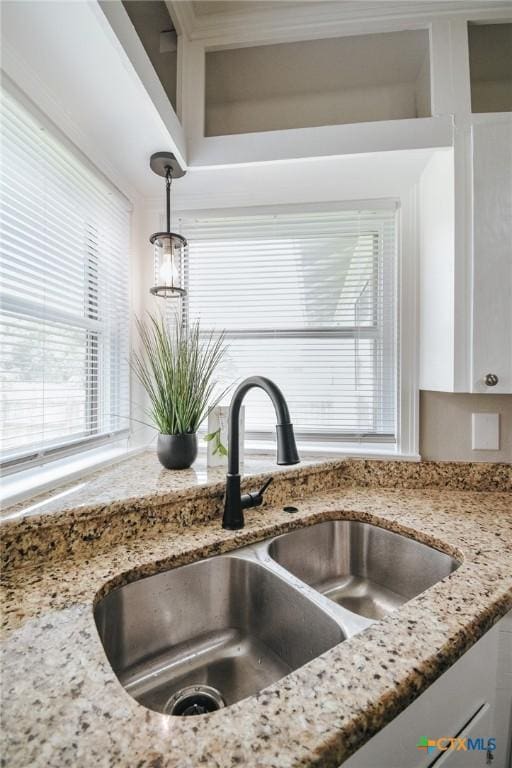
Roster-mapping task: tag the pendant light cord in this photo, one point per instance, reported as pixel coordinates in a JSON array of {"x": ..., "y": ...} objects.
[{"x": 168, "y": 181}]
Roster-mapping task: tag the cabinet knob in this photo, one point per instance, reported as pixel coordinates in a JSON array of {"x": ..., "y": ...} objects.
[{"x": 491, "y": 379}]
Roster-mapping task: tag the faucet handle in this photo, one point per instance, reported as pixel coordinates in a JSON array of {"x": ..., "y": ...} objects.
[
  {"x": 265, "y": 486},
  {"x": 255, "y": 498}
]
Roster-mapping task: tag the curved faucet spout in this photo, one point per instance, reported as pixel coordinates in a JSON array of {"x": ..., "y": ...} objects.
[
  {"x": 286, "y": 448},
  {"x": 283, "y": 426}
]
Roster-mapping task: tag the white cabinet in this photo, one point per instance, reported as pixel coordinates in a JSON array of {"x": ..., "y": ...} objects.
[
  {"x": 465, "y": 221},
  {"x": 491, "y": 341},
  {"x": 465, "y": 242},
  {"x": 469, "y": 701},
  {"x": 479, "y": 725}
]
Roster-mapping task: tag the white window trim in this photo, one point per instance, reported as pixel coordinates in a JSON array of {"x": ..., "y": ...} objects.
[
  {"x": 325, "y": 451},
  {"x": 407, "y": 443},
  {"x": 408, "y": 324}
]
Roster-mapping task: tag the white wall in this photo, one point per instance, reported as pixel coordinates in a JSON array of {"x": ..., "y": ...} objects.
[
  {"x": 317, "y": 82},
  {"x": 149, "y": 20},
  {"x": 140, "y": 283},
  {"x": 490, "y": 57},
  {"x": 445, "y": 426},
  {"x": 492, "y": 95},
  {"x": 422, "y": 90},
  {"x": 351, "y": 105}
]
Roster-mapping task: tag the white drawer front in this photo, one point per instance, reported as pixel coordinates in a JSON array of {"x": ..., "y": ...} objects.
[
  {"x": 442, "y": 710},
  {"x": 478, "y": 728}
]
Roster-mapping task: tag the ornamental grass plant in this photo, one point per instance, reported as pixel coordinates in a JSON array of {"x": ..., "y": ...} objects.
[{"x": 176, "y": 366}]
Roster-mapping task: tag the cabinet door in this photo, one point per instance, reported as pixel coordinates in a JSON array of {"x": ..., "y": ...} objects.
[
  {"x": 444, "y": 709},
  {"x": 478, "y": 728},
  {"x": 492, "y": 254}
]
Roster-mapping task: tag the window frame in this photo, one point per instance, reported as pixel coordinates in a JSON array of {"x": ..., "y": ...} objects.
[
  {"x": 29, "y": 460},
  {"x": 406, "y": 445},
  {"x": 19, "y": 460}
]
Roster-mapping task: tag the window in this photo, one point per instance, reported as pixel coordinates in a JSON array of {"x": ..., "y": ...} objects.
[
  {"x": 308, "y": 299},
  {"x": 64, "y": 295}
]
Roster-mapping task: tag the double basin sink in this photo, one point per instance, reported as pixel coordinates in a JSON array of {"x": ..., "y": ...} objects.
[{"x": 203, "y": 636}]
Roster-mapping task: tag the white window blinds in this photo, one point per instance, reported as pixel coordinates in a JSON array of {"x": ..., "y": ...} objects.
[
  {"x": 64, "y": 295},
  {"x": 309, "y": 300}
]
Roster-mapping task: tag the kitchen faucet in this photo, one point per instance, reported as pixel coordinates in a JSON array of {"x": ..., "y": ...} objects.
[{"x": 235, "y": 502}]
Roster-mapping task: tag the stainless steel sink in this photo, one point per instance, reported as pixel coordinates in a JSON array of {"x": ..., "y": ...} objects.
[
  {"x": 227, "y": 624},
  {"x": 194, "y": 639},
  {"x": 363, "y": 568}
]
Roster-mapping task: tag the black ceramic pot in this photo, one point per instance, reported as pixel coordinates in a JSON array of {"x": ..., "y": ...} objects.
[{"x": 177, "y": 451}]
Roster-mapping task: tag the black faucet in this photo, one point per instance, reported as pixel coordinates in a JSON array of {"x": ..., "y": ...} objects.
[{"x": 235, "y": 503}]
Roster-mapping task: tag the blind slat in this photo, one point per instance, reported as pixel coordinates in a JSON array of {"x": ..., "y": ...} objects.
[
  {"x": 309, "y": 300},
  {"x": 64, "y": 296}
]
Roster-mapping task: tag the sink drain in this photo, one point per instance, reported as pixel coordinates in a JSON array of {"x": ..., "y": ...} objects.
[{"x": 194, "y": 700}]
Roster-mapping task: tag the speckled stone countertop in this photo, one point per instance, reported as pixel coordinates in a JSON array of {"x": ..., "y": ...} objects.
[
  {"x": 63, "y": 705},
  {"x": 139, "y": 480}
]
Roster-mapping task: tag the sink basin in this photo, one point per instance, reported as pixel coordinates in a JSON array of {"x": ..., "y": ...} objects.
[
  {"x": 365, "y": 569},
  {"x": 203, "y": 636},
  {"x": 209, "y": 634}
]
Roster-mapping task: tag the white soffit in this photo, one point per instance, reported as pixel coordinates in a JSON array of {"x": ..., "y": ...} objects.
[
  {"x": 67, "y": 59},
  {"x": 350, "y": 177}
]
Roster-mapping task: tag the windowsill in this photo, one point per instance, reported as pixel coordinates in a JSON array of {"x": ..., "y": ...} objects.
[
  {"x": 30, "y": 482},
  {"x": 337, "y": 450}
]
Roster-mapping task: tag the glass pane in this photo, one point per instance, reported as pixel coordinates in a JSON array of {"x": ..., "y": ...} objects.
[
  {"x": 308, "y": 300},
  {"x": 284, "y": 283},
  {"x": 44, "y": 388},
  {"x": 329, "y": 383},
  {"x": 64, "y": 291}
]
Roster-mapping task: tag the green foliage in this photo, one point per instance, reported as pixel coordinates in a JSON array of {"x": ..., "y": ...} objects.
[
  {"x": 176, "y": 368},
  {"x": 218, "y": 446}
]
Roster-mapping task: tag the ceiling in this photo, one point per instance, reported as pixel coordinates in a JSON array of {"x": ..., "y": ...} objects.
[
  {"x": 222, "y": 20},
  {"x": 217, "y": 7},
  {"x": 350, "y": 7}
]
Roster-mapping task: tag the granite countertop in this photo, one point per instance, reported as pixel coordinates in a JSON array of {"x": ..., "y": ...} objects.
[
  {"x": 138, "y": 481},
  {"x": 63, "y": 705}
]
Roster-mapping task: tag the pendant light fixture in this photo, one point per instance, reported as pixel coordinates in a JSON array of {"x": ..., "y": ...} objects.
[{"x": 169, "y": 247}]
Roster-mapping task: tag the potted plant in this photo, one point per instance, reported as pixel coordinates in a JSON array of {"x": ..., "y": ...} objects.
[{"x": 176, "y": 367}]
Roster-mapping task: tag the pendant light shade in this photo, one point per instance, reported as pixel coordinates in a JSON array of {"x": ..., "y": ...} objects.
[
  {"x": 169, "y": 247},
  {"x": 169, "y": 251}
]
